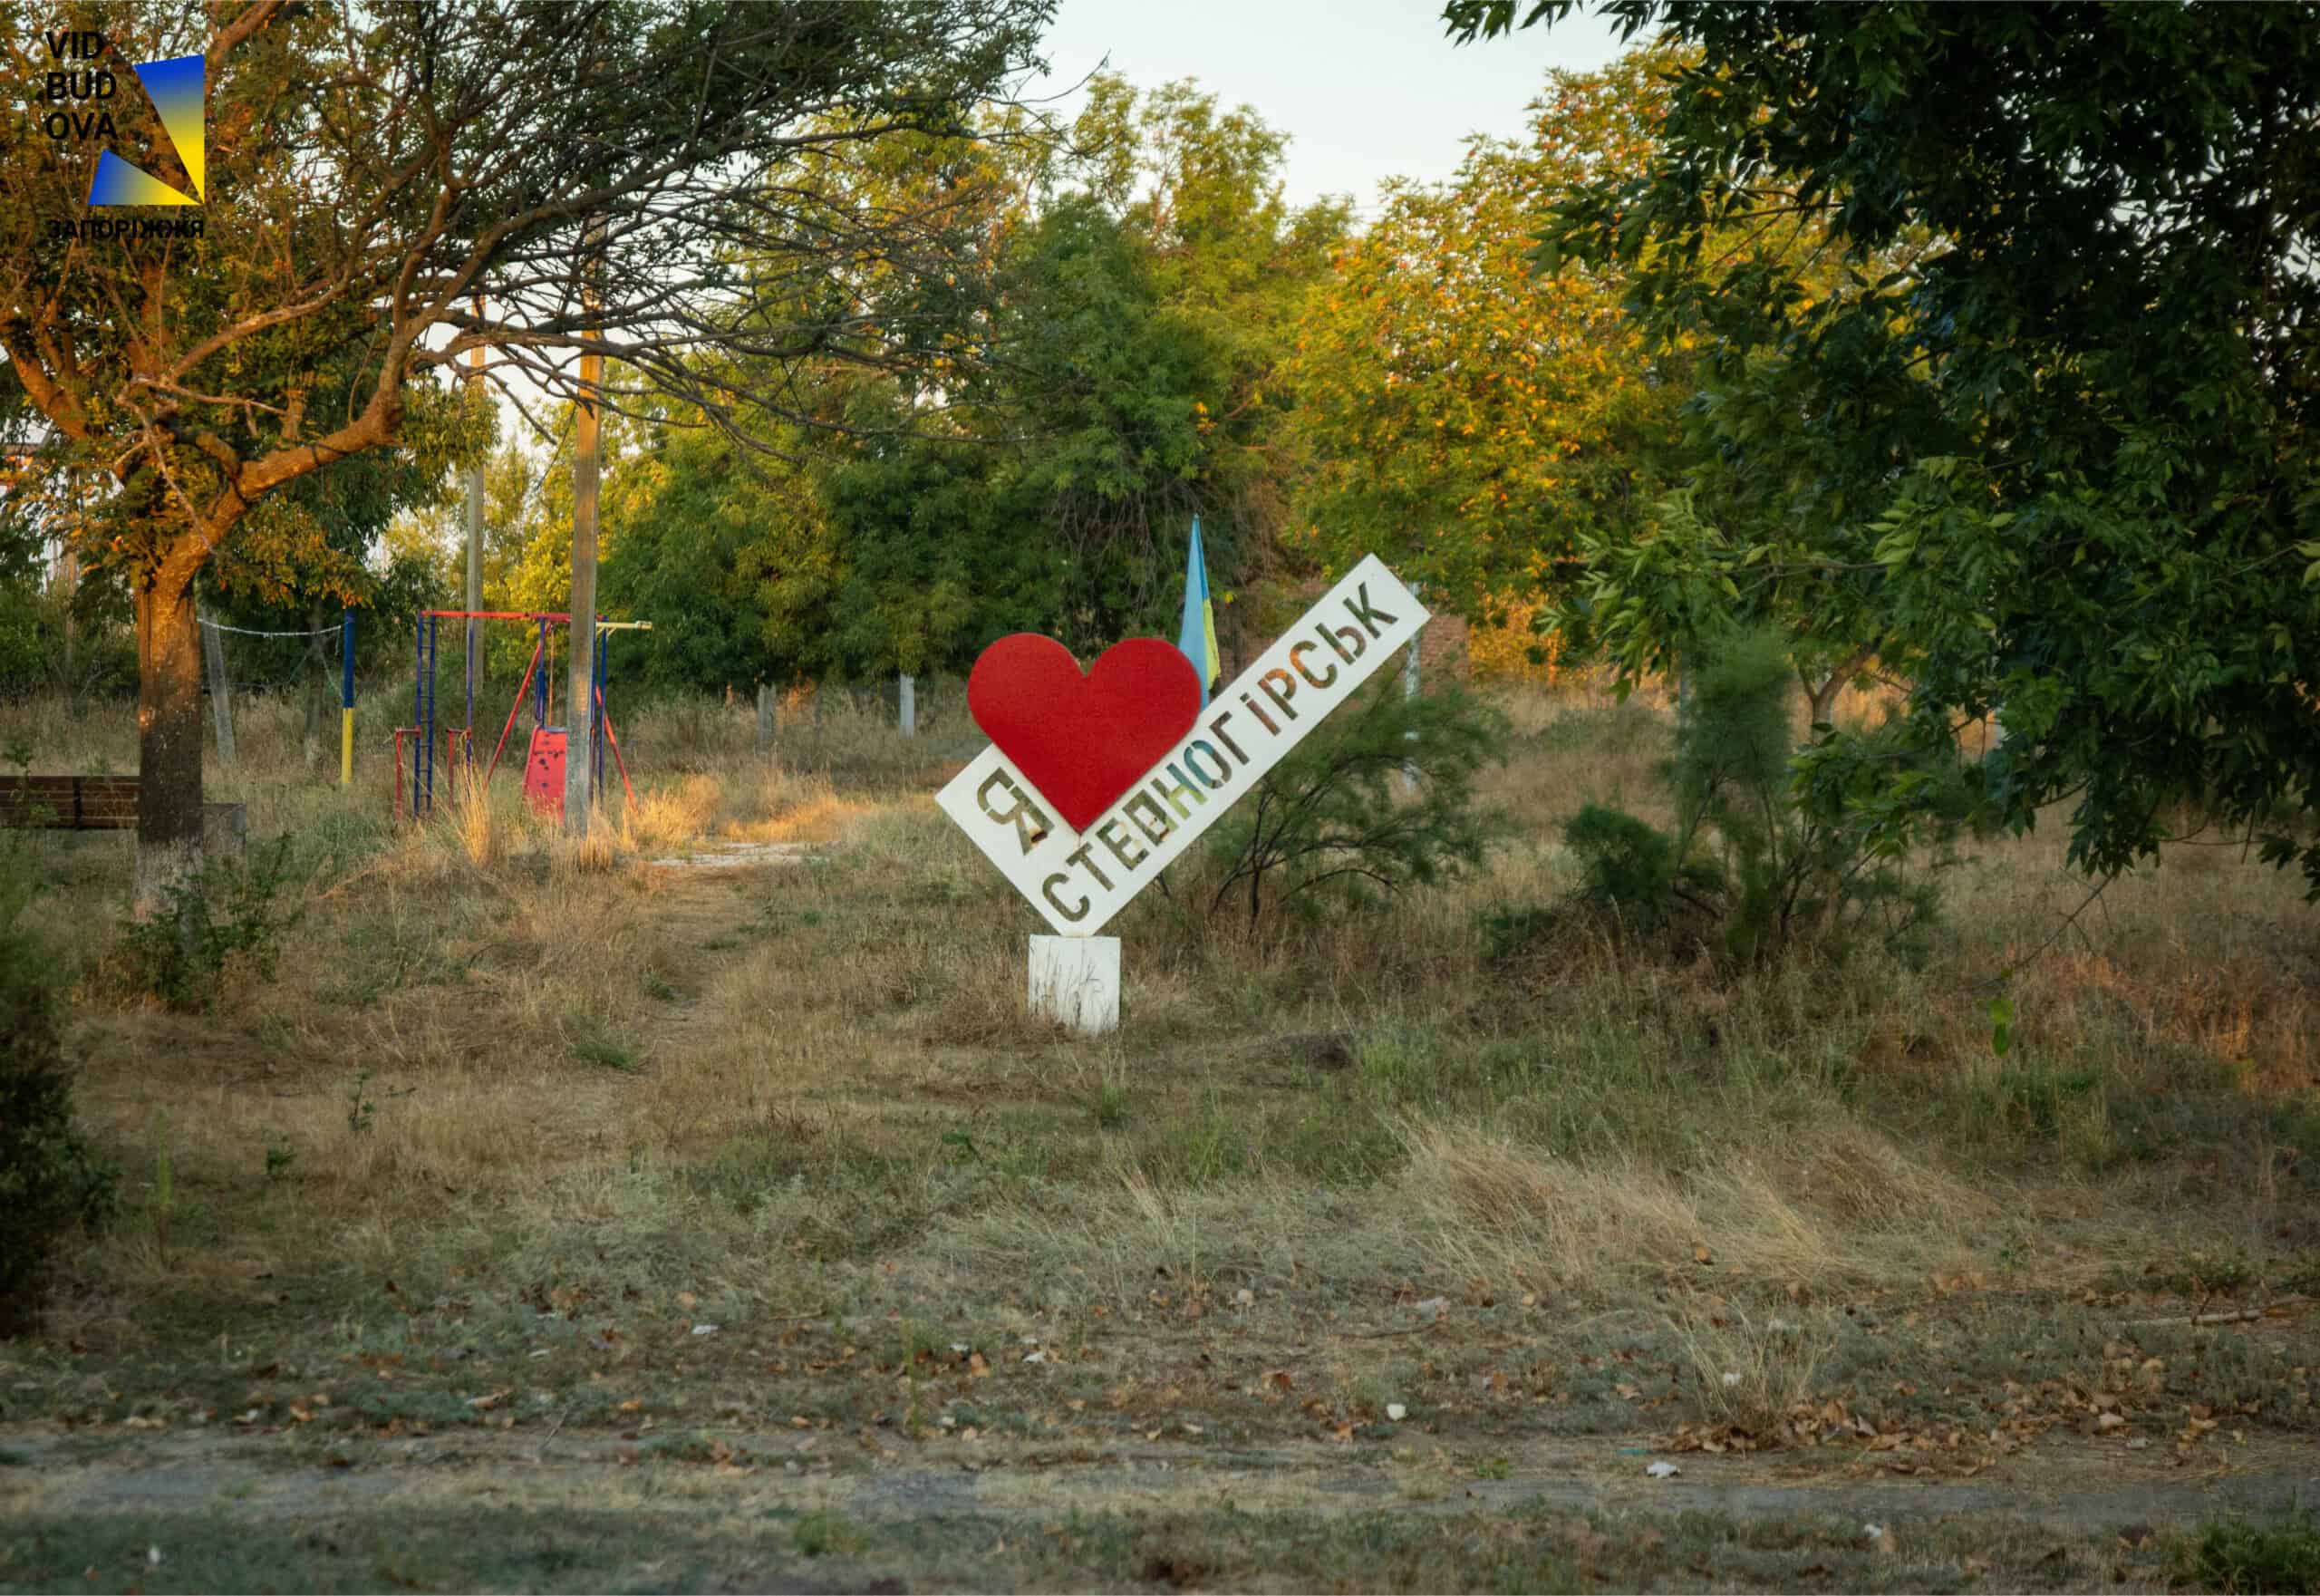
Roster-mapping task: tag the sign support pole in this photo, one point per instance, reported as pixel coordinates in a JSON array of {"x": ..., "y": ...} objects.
[{"x": 1076, "y": 982}]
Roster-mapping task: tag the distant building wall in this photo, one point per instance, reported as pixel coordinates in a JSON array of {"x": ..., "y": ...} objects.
[{"x": 1442, "y": 649}]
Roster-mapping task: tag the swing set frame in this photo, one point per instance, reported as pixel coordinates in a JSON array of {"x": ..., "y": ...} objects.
[{"x": 535, "y": 685}]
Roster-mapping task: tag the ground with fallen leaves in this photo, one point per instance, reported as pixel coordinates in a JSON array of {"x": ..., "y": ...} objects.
[{"x": 704, "y": 1212}]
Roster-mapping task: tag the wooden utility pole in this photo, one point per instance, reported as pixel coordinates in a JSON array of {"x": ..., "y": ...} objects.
[
  {"x": 765, "y": 716},
  {"x": 476, "y": 395},
  {"x": 907, "y": 703},
  {"x": 67, "y": 585},
  {"x": 580, "y": 700}
]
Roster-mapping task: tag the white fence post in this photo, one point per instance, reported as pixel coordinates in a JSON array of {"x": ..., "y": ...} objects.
[{"x": 1076, "y": 982}]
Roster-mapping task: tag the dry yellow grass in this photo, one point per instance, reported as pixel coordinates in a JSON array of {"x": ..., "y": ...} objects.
[
  {"x": 490, "y": 1049},
  {"x": 1828, "y": 1208},
  {"x": 515, "y": 1119}
]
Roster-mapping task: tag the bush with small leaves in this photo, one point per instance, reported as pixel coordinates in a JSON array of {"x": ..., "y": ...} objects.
[
  {"x": 51, "y": 1181},
  {"x": 1380, "y": 799},
  {"x": 1773, "y": 846},
  {"x": 228, "y": 909}
]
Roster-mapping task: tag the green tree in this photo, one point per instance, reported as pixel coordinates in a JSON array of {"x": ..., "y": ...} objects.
[
  {"x": 1145, "y": 281},
  {"x": 1226, "y": 263},
  {"x": 729, "y": 554},
  {"x": 2067, "y": 448},
  {"x": 1464, "y": 414},
  {"x": 388, "y": 189}
]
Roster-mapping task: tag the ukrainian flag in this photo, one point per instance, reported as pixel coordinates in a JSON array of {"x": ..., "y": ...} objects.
[{"x": 1198, "y": 637}]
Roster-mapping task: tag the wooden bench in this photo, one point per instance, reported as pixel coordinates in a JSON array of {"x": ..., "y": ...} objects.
[
  {"x": 70, "y": 803},
  {"x": 106, "y": 803}
]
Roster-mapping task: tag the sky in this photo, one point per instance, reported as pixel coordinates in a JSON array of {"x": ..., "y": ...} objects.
[{"x": 1365, "y": 89}]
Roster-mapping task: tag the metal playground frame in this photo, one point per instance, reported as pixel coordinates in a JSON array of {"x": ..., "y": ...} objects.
[{"x": 535, "y": 684}]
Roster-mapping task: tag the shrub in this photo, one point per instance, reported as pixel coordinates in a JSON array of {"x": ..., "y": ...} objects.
[
  {"x": 1772, "y": 844},
  {"x": 1508, "y": 932},
  {"x": 1326, "y": 819},
  {"x": 50, "y": 1180},
  {"x": 228, "y": 908},
  {"x": 34, "y": 624},
  {"x": 1631, "y": 865},
  {"x": 2233, "y": 1555}
]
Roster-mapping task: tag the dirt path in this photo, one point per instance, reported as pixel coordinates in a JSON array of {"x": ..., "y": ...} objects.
[
  {"x": 261, "y": 1479},
  {"x": 783, "y": 1510}
]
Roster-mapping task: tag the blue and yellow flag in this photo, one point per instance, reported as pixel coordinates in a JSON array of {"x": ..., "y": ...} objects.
[{"x": 1198, "y": 637}]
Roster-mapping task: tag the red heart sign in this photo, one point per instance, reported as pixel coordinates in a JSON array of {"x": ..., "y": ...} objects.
[{"x": 1083, "y": 740}]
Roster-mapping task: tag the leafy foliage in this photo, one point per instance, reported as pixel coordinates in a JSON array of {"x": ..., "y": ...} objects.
[
  {"x": 34, "y": 620},
  {"x": 231, "y": 908},
  {"x": 1462, "y": 414},
  {"x": 50, "y": 1181},
  {"x": 2049, "y": 423},
  {"x": 1328, "y": 820},
  {"x": 1146, "y": 281},
  {"x": 1630, "y": 865},
  {"x": 1766, "y": 848}
]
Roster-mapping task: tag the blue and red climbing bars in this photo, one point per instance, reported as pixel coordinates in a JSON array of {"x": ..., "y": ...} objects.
[{"x": 535, "y": 684}]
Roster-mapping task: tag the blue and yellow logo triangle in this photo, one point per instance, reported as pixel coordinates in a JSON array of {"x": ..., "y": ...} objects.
[{"x": 176, "y": 88}]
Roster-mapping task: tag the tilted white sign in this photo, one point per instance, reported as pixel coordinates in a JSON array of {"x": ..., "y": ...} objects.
[{"x": 1079, "y": 880}]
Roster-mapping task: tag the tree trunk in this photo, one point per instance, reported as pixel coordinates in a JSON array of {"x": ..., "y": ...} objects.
[
  {"x": 579, "y": 717},
  {"x": 1822, "y": 700},
  {"x": 68, "y": 586},
  {"x": 168, "y": 737},
  {"x": 475, "y": 537}
]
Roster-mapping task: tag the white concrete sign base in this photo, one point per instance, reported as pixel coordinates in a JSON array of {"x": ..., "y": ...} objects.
[
  {"x": 1076, "y": 980},
  {"x": 1078, "y": 880}
]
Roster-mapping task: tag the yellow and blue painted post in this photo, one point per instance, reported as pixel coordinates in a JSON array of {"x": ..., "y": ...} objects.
[{"x": 346, "y": 699}]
